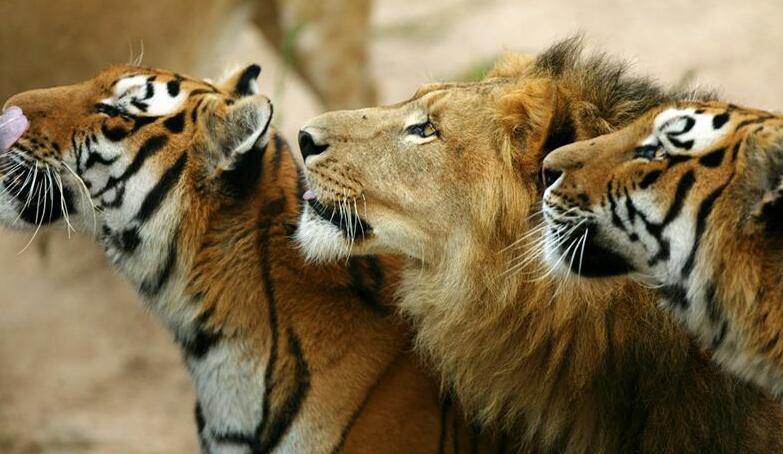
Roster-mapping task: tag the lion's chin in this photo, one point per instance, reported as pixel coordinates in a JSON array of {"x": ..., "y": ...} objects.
[{"x": 321, "y": 240}]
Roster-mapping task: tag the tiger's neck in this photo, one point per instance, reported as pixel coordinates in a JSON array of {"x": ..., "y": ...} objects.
[
  {"x": 208, "y": 278},
  {"x": 263, "y": 333},
  {"x": 731, "y": 302}
]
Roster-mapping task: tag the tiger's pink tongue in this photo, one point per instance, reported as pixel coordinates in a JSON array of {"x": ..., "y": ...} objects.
[
  {"x": 13, "y": 124},
  {"x": 309, "y": 195}
]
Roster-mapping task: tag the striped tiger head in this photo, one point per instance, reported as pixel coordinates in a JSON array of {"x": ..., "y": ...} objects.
[
  {"x": 129, "y": 152},
  {"x": 640, "y": 200}
]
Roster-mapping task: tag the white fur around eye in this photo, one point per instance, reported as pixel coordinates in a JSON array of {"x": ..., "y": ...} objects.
[
  {"x": 703, "y": 135},
  {"x": 128, "y": 84},
  {"x": 417, "y": 118},
  {"x": 138, "y": 97},
  {"x": 420, "y": 140}
]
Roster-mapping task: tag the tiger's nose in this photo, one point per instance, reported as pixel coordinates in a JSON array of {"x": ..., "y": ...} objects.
[
  {"x": 308, "y": 145},
  {"x": 550, "y": 175}
]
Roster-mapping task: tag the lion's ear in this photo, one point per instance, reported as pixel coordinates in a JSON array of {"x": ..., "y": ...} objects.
[
  {"x": 587, "y": 120},
  {"x": 526, "y": 112}
]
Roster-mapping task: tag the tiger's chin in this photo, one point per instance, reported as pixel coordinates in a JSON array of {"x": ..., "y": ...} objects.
[
  {"x": 9, "y": 215},
  {"x": 16, "y": 213},
  {"x": 583, "y": 254},
  {"x": 326, "y": 239}
]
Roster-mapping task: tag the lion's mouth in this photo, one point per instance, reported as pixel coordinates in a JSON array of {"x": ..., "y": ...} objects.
[{"x": 344, "y": 218}]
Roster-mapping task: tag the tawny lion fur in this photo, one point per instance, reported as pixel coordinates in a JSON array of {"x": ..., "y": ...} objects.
[{"x": 568, "y": 366}]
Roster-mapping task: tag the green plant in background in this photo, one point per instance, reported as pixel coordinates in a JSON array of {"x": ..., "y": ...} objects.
[{"x": 477, "y": 70}]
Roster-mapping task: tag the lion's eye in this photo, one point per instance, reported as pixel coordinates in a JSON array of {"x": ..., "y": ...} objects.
[
  {"x": 423, "y": 130},
  {"x": 648, "y": 152}
]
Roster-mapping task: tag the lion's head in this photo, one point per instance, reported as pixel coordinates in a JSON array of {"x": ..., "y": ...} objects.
[{"x": 458, "y": 163}]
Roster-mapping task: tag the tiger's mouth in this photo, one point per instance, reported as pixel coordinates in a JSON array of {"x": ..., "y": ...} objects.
[
  {"x": 34, "y": 188},
  {"x": 344, "y": 217},
  {"x": 578, "y": 248}
]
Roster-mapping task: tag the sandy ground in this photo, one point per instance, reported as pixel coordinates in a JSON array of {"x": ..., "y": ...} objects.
[{"x": 84, "y": 369}]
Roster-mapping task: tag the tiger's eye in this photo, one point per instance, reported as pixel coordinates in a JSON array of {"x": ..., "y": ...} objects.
[
  {"x": 107, "y": 109},
  {"x": 648, "y": 152}
]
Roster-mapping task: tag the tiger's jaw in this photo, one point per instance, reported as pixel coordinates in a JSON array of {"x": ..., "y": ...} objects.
[
  {"x": 36, "y": 194},
  {"x": 622, "y": 234},
  {"x": 578, "y": 249}
]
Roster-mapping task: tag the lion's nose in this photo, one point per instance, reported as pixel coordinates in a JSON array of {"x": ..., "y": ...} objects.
[{"x": 308, "y": 145}]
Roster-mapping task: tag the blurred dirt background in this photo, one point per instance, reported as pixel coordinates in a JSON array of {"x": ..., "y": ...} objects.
[{"x": 84, "y": 369}]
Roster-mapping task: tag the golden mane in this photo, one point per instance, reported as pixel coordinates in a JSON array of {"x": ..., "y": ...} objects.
[
  {"x": 574, "y": 366},
  {"x": 450, "y": 178}
]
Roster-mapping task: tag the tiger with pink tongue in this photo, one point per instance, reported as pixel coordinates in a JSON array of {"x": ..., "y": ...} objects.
[
  {"x": 194, "y": 198},
  {"x": 13, "y": 124}
]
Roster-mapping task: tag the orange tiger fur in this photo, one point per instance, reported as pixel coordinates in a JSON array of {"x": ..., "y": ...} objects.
[
  {"x": 194, "y": 198},
  {"x": 696, "y": 190}
]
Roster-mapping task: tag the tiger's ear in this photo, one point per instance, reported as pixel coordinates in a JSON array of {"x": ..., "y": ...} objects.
[
  {"x": 236, "y": 129},
  {"x": 769, "y": 210},
  {"x": 242, "y": 82},
  {"x": 237, "y": 136},
  {"x": 764, "y": 176}
]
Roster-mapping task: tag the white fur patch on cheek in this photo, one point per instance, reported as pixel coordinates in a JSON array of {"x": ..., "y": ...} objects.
[
  {"x": 320, "y": 240},
  {"x": 551, "y": 253}
]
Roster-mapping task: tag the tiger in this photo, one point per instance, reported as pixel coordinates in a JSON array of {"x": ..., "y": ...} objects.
[
  {"x": 687, "y": 198},
  {"x": 451, "y": 179},
  {"x": 195, "y": 197}
]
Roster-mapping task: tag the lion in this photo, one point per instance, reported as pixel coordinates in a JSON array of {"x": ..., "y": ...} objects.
[{"x": 450, "y": 179}]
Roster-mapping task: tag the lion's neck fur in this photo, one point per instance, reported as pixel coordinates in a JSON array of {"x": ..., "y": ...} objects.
[
  {"x": 524, "y": 353},
  {"x": 571, "y": 365}
]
